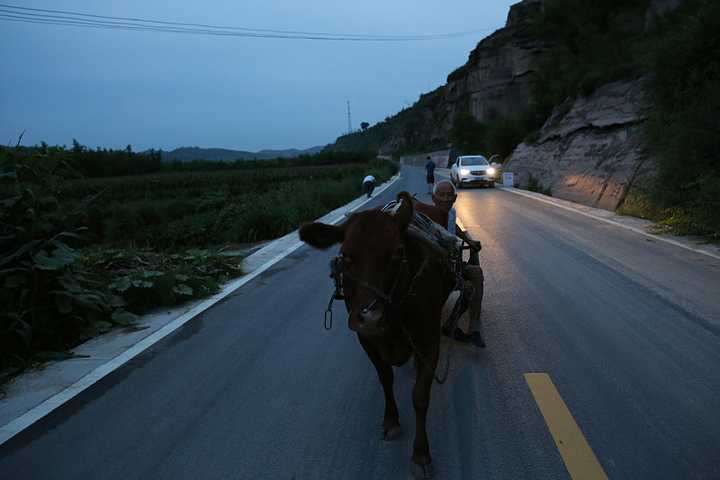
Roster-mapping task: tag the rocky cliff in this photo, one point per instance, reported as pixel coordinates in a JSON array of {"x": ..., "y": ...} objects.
[
  {"x": 590, "y": 150},
  {"x": 495, "y": 81}
]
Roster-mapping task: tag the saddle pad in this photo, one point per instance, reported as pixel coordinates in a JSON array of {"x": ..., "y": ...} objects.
[{"x": 423, "y": 228}]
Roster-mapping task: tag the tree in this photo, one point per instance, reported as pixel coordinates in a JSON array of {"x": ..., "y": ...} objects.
[
  {"x": 77, "y": 146},
  {"x": 364, "y": 126},
  {"x": 467, "y": 134}
]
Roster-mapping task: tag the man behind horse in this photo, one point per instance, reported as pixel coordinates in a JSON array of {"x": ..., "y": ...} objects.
[{"x": 444, "y": 196}]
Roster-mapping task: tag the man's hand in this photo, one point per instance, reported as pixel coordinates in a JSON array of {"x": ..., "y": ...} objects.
[{"x": 474, "y": 244}]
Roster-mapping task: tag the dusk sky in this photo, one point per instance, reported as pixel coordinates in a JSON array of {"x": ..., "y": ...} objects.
[{"x": 111, "y": 88}]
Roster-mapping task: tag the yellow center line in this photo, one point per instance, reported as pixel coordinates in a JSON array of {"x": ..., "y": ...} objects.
[{"x": 580, "y": 461}]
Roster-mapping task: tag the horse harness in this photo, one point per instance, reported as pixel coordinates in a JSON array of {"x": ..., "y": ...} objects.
[{"x": 338, "y": 273}]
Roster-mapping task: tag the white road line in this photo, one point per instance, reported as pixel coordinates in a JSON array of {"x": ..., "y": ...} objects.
[
  {"x": 16, "y": 426},
  {"x": 611, "y": 222}
]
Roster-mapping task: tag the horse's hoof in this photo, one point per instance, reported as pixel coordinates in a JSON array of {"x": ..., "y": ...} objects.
[
  {"x": 477, "y": 340},
  {"x": 391, "y": 433},
  {"x": 422, "y": 471},
  {"x": 460, "y": 336}
]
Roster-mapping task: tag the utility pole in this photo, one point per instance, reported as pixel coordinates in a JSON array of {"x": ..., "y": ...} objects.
[{"x": 349, "y": 118}]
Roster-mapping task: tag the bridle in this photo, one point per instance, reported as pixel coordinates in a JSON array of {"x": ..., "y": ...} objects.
[
  {"x": 338, "y": 273},
  {"x": 390, "y": 298}
]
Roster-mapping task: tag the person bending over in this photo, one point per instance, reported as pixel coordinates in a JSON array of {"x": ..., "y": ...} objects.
[{"x": 368, "y": 185}]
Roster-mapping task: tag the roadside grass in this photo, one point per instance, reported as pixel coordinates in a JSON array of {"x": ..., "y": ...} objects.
[{"x": 534, "y": 185}]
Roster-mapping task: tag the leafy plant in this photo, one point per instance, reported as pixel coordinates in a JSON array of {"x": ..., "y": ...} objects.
[{"x": 47, "y": 303}]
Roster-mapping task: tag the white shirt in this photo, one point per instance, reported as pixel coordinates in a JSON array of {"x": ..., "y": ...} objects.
[
  {"x": 369, "y": 178},
  {"x": 452, "y": 216}
]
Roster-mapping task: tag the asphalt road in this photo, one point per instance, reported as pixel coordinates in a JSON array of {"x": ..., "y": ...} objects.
[{"x": 627, "y": 329}]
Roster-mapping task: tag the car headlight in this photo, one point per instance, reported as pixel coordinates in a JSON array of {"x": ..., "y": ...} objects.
[
  {"x": 464, "y": 171},
  {"x": 491, "y": 171}
]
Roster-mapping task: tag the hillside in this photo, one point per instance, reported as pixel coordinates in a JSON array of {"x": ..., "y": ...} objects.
[
  {"x": 602, "y": 103},
  {"x": 495, "y": 81},
  {"x": 188, "y": 154}
]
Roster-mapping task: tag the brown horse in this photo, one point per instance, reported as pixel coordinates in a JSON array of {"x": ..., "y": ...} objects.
[{"x": 394, "y": 288}]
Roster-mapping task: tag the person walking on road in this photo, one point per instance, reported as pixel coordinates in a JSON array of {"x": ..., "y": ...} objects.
[
  {"x": 368, "y": 185},
  {"x": 430, "y": 169}
]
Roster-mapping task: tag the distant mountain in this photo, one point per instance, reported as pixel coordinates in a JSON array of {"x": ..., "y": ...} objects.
[{"x": 188, "y": 154}]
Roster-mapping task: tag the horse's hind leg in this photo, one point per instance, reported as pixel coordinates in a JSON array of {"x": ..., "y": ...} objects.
[
  {"x": 391, "y": 418},
  {"x": 475, "y": 275},
  {"x": 421, "y": 465}
]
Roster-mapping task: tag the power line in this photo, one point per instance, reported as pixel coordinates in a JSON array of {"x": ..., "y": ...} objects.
[
  {"x": 108, "y": 26},
  {"x": 77, "y": 19},
  {"x": 59, "y": 20}
]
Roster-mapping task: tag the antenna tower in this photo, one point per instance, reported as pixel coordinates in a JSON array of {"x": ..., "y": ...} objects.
[{"x": 349, "y": 118}]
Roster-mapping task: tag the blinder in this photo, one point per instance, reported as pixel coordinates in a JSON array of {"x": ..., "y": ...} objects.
[
  {"x": 338, "y": 273},
  {"x": 337, "y": 267}
]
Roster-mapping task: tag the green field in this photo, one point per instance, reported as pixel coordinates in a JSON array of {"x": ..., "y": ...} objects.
[
  {"x": 79, "y": 256},
  {"x": 170, "y": 210}
]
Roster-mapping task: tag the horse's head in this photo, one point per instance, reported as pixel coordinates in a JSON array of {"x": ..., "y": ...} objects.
[{"x": 372, "y": 253}]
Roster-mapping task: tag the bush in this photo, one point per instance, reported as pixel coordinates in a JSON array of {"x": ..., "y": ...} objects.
[
  {"x": 48, "y": 301},
  {"x": 534, "y": 185},
  {"x": 683, "y": 128},
  {"x": 500, "y": 135}
]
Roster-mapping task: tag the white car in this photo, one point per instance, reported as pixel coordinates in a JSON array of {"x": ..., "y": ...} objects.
[{"x": 473, "y": 170}]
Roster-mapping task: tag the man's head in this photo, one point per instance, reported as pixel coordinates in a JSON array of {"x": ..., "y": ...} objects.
[
  {"x": 428, "y": 158},
  {"x": 444, "y": 195}
]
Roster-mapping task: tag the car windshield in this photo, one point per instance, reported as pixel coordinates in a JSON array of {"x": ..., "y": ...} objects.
[{"x": 472, "y": 161}]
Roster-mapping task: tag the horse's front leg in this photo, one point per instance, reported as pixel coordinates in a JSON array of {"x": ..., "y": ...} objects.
[
  {"x": 421, "y": 465},
  {"x": 391, "y": 417}
]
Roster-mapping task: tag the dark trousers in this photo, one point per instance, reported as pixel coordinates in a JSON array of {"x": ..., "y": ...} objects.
[{"x": 367, "y": 188}]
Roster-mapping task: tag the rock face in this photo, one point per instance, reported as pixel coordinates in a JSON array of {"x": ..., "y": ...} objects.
[
  {"x": 590, "y": 151},
  {"x": 496, "y": 79}
]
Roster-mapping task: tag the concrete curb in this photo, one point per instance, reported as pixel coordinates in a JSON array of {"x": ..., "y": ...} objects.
[{"x": 39, "y": 393}]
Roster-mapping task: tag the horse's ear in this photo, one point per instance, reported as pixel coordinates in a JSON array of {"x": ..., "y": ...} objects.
[
  {"x": 404, "y": 211},
  {"x": 320, "y": 235}
]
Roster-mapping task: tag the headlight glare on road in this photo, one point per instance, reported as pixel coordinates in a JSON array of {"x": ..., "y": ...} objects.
[
  {"x": 491, "y": 171},
  {"x": 464, "y": 171}
]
